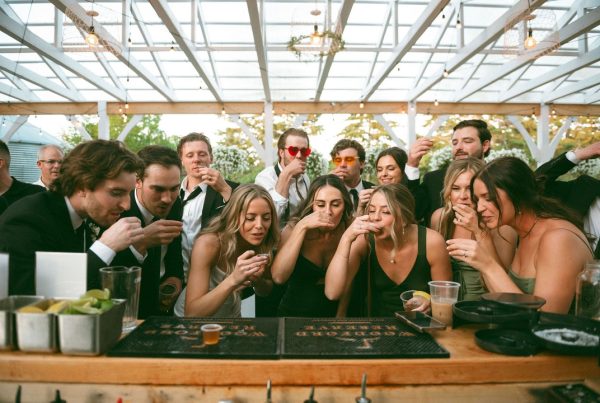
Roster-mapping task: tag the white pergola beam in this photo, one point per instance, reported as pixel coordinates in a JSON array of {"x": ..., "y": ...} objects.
[
  {"x": 20, "y": 33},
  {"x": 126, "y": 18},
  {"x": 260, "y": 150},
  {"x": 436, "y": 125},
  {"x": 207, "y": 42},
  {"x": 72, "y": 7},
  {"x": 342, "y": 19},
  {"x": 592, "y": 98},
  {"x": 421, "y": 24},
  {"x": 381, "y": 120},
  {"x": 21, "y": 85},
  {"x": 571, "y": 89},
  {"x": 135, "y": 119},
  {"x": 488, "y": 35},
  {"x": 103, "y": 122},
  {"x": 533, "y": 148},
  {"x": 14, "y": 127},
  {"x": 187, "y": 47},
  {"x": 37, "y": 79},
  {"x": 565, "y": 34},
  {"x": 15, "y": 93},
  {"x": 148, "y": 39},
  {"x": 568, "y": 68},
  {"x": 79, "y": 127},
  {"x": 259, "y": 44},
  {"x": 384, "y": 27},
  {"x": 268, "y": 124}
]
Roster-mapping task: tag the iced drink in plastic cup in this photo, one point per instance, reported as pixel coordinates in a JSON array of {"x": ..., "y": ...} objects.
[{"x": 443, "y": 296}]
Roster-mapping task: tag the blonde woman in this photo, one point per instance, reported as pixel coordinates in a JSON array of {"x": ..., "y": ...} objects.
[
  {"x": 457, "y": 219},
  {"x": 233, "y": 253},
  {"x": 400, "y": 255}
]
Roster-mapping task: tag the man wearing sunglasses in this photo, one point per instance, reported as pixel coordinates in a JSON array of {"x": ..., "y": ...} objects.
[
  {"x": 50, "y": 158},
  {"x": 348, "y": 157},
  {"x": 287, "y": 182}
]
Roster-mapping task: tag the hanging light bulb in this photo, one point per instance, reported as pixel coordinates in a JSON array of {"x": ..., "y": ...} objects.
[
  {"x": 223, "y": 111},
  {"x": 120, "y": 110},
  {"x": 172, "y": 46},
  {"x": 126, "y": 105},
  {"x": 458, "y": 24},
  {"x": 3, "y": 123},
  {"x": 361, "y": 105},
  {"x": 315, "y": 37},
  {"x": 436, "y": 103},
  {"x": 445, "y": 73},
  {"x": 530, "y": 42},
  {"x": 91, "y": 38}
]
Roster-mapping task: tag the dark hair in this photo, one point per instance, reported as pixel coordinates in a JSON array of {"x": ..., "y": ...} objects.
[
  {"x": 482, "y": 130},
  {"x": 398, "y": 154},
  {"x": 306, "y": 206},
  {"x": 188, "y": 138},
  {"x": 160, "y": 155},
  {"x": 347, "y": 143},
  {"x": 4, "y": 152},
  {"x": 514, "y": 176},
  {"x": 93, "y": 162}
]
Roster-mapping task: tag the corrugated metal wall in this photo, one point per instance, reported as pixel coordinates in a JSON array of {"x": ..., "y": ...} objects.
[{"x": 23, "y": 158}]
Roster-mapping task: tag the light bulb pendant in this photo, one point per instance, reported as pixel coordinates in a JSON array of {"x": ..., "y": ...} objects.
[
  {"x": 91, "y": 38},
  {"x": 530, "y": 42}
]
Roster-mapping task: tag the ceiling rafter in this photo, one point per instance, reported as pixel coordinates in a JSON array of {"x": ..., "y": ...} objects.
[
  {"x": 39, "y": 80},
  {"x": 384, "y": 28},
  {"x": 162, "y": 9},
  {"x": 148, "y": 39},
  {"x": 488, "y": 35},
  {"x": 567, "y": 68},
  {"x": 259, "y": 44},
  {"x": 124, "y": 55},
  {"x": 18, "y": 32},
  {"x": 565, "y": 34},
  {"x": 18, "y": 83},
  {"x": 571, "y": 89},
  {"x": 211, "y": 61},
  {"x": 342, "y": 20},
  {"x": 421, "y": 24},
  {"x": 15, "y": 93}
]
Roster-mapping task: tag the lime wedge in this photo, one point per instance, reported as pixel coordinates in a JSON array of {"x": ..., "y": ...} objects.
[
  {"x": 106, "y": 305},
  {"x": 30, "y": 309},
  {"x": 421, "y": 294},
  {"x": 98, "y": 294},
  {"x": 85, "y": 300},
  {"x": 86, "y": 309}
]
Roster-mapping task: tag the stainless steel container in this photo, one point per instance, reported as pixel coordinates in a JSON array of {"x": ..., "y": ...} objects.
[
  {"x": 91, "y": 334},
  {"x": 37, "y": 332},
  {"x": 8, "y": 306}
]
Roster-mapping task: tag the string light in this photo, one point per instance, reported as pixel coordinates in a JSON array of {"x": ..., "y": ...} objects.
[
  {"x": 172, "y": 46},
  {"x": 458, "y": 24},
  {"x": 445, "y": 73},
  {"x": 91, "y": 38},
  {"x": 223, "y": 111},
  {"x": 126, "y": 105},
  {"x": 315, "y": 37},
  {"x": 436, "y": 103},
  {"x": 530, "y": 42},
  {"x": 3, "y": 123},
  {"x": 120, "y": 110},
  {"x": 361, "y": 105}
]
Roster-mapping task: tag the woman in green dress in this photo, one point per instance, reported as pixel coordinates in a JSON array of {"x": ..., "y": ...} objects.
[{"x": 457, "y": 219}]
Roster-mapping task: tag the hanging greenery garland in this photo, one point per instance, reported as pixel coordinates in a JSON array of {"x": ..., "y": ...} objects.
[{"x": 336, "y": 43}]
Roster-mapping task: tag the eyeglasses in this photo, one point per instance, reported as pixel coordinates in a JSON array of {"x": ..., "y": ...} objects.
[
  {"x": 348, "y": 160},
  {"x": 52, "y": 162},
  {"x": 305, "y": 152}
]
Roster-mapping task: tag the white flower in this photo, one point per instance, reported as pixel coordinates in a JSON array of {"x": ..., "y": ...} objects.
[
  {"x": 230, "y": 161},
  {"x": 589, "y": 167},
  {"x": 440, "y": 158},
  {"x": 511, "y": 152}
]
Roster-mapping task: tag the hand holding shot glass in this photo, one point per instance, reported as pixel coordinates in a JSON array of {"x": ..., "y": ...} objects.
[{"x": 413, "y": 300}]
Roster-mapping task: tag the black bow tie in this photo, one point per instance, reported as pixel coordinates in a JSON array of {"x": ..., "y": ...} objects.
[{"x": 192, "y": 195}]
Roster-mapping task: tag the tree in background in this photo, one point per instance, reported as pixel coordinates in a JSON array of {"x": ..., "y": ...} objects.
[
  {"x": 367, "y": 131},
  {"x": 146, "y": 132}
]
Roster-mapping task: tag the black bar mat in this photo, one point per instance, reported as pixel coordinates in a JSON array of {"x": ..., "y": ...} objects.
[
  {"x": 356, "y": 338},
  {"x": 241, "y": 338}
]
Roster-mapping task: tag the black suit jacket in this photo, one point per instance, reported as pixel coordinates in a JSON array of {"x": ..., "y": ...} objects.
[
  {"x": 149, "y": 288},
  {"x": 40, "y": 222},
  {"x": 428, "y": 194},
  {"x": 214, "y": 203},
  {"x": 16, "y": 191},
  {"x": 578, "y": 194}
]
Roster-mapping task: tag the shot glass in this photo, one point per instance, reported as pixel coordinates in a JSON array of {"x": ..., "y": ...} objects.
[
  {"x": 412, "y": 299},
  {"x": 211, "y": 333},
  {"x": 166, "y": 297}
]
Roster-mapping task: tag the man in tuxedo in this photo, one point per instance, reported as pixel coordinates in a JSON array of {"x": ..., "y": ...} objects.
[
  {"x": 349, "y": 157},
  {"x": 581, "y": 194},
  {"x": 11, "y": 189},
  {"x": 94, "y": 185},
  {"x": 50, "y": 159},
  {"x": 155, "y": 202},
  {"x": 203, "y": 192},
  {"x": 287, "y": 181},
  {"x": 470, "y": 138}
]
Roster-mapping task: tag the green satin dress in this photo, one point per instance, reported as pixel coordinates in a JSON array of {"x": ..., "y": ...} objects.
[
  {"x": 471, "y": 283},
  {"x": 526, "y": 285}
]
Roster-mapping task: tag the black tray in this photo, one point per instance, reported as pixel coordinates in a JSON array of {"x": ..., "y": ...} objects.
[
  {"x": 519, "y": 300},
  {"x": 507, "y": 341},
  {"x": 357, "y": 338},
  {"x": 489, "y": 312},
  {"x": 241, "y": 338}
]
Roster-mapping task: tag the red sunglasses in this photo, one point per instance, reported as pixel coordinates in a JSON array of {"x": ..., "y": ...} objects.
[{"x": 294, "y": 150}]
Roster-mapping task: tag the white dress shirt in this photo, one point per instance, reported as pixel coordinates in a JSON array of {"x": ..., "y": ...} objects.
[
  {"x": 148, "y": 217},
  {"x": 192, "y": 221},
  {"x": 40, "y": 183}
]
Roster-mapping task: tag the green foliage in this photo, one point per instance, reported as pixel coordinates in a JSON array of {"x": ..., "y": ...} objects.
[
  {"x": 316, "y": 165},
  {"x": 146, "y": 132}
]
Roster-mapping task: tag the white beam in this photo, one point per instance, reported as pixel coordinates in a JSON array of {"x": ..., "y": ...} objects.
[
  {"x": 209, "y": 47},
  {"x": 75, "y": 10},
  {"x": 436, "y": 125},
  {"x": 397, "y": 140},
  {"x": 164, "y": 12},
  {"x": 14, "y": 127},
  {"x": 460, "y": 31},
  {"x": 342, "y": 19},
  {"x": 17, "y": 82},
  {"x": 126, "y": 18},
  {"x": 384, "y": 27},
  {"x": 135, "y": 119},
  {"x": 260, "y": 150},
  {"x": 37, "y": 79},
  {"x": 148, "y": 38},
  {"x": 543, "y": 134},
  {"x": 103, "y": 122},
  {"x": 15, "y": 93},
  {"x": 58, "y": 28},
  {"x": 533, "y": 148},
  {"x": 571, "y": 89},
  {"x": 412, "y": 118},
  {"x": 561, "y": 133},
  {"x": 20, "y": 33},
  {"x": 79, "y": 127},
  {"x": 592, "y": 98},
  {"x": 421, "y": 24},
  {"x": 268, "y": 123},
  {"x": 474, "y": 47},
  {"x": 564, "y": 35},
  {"x": 552, "y": 75},
  {"x": 259, "y": 44}
]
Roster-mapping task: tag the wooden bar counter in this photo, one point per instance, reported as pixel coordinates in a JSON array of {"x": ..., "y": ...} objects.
[{"x": 467, "y": 365}]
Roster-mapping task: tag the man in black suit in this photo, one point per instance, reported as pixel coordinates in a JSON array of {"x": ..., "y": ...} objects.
[
  {"x": 349, "y": 157},
  {"x": 581, "y": 194},
  {"x": 155, "y": 202},
  {"x": 11, "y": 189},
  {"x": 470, "y": 138},
  {"x": 95, "y": 181}
]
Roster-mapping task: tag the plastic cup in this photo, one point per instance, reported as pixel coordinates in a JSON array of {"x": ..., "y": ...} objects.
[
  {"x": 443, "y": 296},
  {"x": 124, "y": 283},
  {"x": 211, "y": 333}
]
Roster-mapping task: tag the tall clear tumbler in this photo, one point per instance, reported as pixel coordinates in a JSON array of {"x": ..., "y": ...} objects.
[{"x": 124, "y": 283}]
